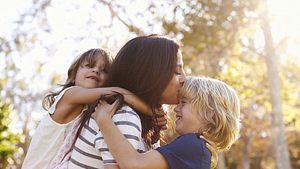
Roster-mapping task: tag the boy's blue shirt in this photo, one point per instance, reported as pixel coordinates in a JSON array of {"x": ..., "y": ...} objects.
[{"x": 187, "y": 151}]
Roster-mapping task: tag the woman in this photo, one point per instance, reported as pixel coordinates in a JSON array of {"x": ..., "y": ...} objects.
[{"x": 152, "y": 68}]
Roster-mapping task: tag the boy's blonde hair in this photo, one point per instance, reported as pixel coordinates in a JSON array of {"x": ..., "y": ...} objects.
[{"x": 218, "y": 108}]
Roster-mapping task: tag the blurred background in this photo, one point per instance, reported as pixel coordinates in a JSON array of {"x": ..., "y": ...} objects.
[{"x": 251, "y": 44}]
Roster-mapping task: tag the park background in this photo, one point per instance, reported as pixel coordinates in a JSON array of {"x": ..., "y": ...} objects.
[{"x": 251, "y": 44}]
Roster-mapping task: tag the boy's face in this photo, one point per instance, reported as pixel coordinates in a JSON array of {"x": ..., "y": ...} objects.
[{"x": 187, "y": 121}]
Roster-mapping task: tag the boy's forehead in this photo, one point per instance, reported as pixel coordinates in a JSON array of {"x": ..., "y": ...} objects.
[{"x": 182, "y": 97}]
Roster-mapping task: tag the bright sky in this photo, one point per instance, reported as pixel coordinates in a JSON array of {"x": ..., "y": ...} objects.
[
  {"x": 283, "y": 14},
  {"x": 71, "y": 23}
]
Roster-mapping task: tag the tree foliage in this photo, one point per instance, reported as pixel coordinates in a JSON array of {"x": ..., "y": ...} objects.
[{"x": 8, "y": 139}]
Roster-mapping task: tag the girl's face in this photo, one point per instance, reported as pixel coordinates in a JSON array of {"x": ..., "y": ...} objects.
[
  {"x": 91, "y": 76},
  {"x": 187, "y": 121},
  {"x": 171, "y": 93}
]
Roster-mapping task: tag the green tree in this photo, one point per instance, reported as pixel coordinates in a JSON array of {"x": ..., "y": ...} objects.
[{"x": 8, "y": 139}]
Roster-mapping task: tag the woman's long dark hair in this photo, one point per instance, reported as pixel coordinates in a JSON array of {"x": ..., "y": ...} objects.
[{"x": 144, "y": 65}]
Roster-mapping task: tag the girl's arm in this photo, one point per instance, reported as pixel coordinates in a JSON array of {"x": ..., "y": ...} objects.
[
  {"x": 136, "y": 103},
  {"x": 71, "y": 103},
  {"x": 73, "y": 100},
  {"x": 79, "y": 95},
  {"x": 126, "y": 156}
]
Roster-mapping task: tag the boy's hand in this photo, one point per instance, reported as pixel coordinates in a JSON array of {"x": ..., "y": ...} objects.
[{"x": 105, "y": 110}]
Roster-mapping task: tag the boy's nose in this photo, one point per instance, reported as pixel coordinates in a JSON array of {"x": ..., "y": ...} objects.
[{"x": 176, "y": 108}]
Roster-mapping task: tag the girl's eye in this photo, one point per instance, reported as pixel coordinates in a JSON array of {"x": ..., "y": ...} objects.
[{"x": 87, "y": 65}]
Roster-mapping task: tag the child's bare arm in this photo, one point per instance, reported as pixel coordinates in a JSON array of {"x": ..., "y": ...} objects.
[
  {"x": 73, "y": 101},
  {"x": 159, "y": 116},
  {"x": 80, "y": 95}
]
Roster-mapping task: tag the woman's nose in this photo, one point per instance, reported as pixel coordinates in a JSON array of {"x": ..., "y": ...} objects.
[{"x": 182, "y": 78}]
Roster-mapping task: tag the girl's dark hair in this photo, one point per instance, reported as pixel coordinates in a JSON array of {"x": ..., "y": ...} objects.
[
  {"x": 90, "y": 56},
  {"x": 145, "y": 65}
]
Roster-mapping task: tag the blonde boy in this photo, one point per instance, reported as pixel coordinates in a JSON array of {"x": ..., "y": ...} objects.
[{"x": 208, "y": 107}]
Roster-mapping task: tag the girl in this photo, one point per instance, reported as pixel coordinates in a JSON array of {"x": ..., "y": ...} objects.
[
  {"x": 152, "y": 68},
  {"x": 85, "y": 77},
  {"x": 207, "y": 107}
]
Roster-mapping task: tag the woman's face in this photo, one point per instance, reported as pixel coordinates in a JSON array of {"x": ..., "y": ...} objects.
[{"x": 171, "y": 93}]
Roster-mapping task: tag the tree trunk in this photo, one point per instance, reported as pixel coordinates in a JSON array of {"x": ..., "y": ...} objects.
[
  {"x": 246, "y": 149},
  {"x": 279, "y": 141}
]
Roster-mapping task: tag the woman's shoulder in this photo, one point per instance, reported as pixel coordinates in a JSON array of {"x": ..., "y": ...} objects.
[{"x": 126, "y": 111}]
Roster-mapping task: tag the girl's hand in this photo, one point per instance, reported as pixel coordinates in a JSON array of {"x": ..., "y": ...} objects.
[
  {"x": 105, "y": 111},
  {"x": 120, "y": 90}
]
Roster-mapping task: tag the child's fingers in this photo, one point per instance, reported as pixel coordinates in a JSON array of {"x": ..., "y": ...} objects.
[
  {"x": 114, "y": 107},
  {"x": 100, "y": 110},
  {"x": 100, "y": 103}
]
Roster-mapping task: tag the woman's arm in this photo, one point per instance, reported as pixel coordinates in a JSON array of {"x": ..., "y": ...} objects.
[{"x": 126, "y": 156}]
